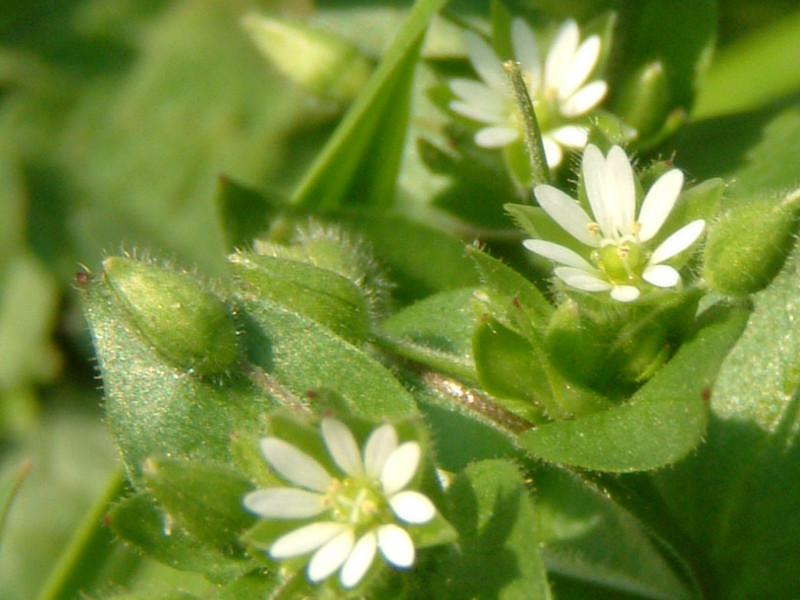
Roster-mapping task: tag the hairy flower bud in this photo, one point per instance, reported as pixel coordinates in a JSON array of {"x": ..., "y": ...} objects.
[
  {"x": 183, "y": 321},
  {"x": 748, "y": 246}
]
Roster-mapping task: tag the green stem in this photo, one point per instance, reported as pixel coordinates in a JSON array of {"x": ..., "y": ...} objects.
[
  {"x": 89, "y": 552},
  {"x": 531, "y": 133}
]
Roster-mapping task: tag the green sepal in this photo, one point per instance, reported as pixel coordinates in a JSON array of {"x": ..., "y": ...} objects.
[
  {"x": 183, "y": 320},
  {"x": 322, "y": 295},
  {"x": 203, "y": 498},
  {"x": 140, "y": 520},
  {"x": 436, "y": 332},
  {"x": 643, "y": 102},
  {"x": 662, "y": 422},
  {"x": 748, "y": 246}
]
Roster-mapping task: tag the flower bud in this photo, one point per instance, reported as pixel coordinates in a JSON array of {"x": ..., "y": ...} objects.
[
  {"x": 317, "y": 293},
  {"x": 186, "y": 323},
  {"x": 748, "y": 246},
  {"x": 324, "y": 65},
  {"x": 643, "y": 100}
]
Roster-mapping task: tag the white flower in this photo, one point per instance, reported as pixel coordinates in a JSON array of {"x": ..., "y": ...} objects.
[
  {"x": 361, "y": 510},
  {"x": 557, "y": 88},
  {"x": 620, "y": 255}
]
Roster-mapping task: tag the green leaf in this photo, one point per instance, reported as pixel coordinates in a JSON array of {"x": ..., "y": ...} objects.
[
  {"x": 736, "y": 497},
  {"x": 156, "y": 409},
  {"x": 9, "y": 486},
  {"x": 436, "y": 332},
  {"x": 360, "y": 162},
  {"x": 139, "y": 521},
  {"x": 244, "y": 214},
  {"x": 662, "y": 422},
  {"x": 494, "y": 515},
  {"x": 204, "y": 498},
  {"x": 304, "y": 357},
  {"x": 588, "y": 537}
]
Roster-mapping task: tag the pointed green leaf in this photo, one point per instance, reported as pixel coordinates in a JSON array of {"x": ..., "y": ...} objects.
[
  {"x": 436, "y": 332},
  {"x": 359, "y": 164},
  {"x": 662, "y": 422},
  {"x": 8, "y": 490}
]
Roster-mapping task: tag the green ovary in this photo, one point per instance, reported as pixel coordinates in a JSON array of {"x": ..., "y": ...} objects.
[{"x": 622, "y": 263}]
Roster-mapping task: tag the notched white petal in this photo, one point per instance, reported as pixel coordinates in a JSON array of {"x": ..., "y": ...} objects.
[
  {"x": 284, "y": 503},
  {"x": 584, "y": 100},
  {"x": 379, "y": 446},
  {"x": 479, "y": 113},
  {"x": 659, "y": 202},
  {"x": 478, "y": 95},
  {"x": 566, "y": 212},
  {"x": 561, "y": 54},
  {"x": 342, "y": 447},
  {"x": 594, "y": 179},
  {"x": 400, "y": 467},
  {"x": 331, "y": 556},
  {"x": 526, "y": 51},
  {"x": 571, "y": 136},
  {"x": 557, "y": 253},
  {"x": 582, "y": 66},
  {"x": 678, "y": 242},
  {"x": 359, "y": 561},
  {"x": 305, "y": 539},
  {"x": 620, "y": 195},
  {"x": 496, "y": 137},
  {"x": 412, "y": 507},
  {"x": 552, "y": 151},
  {"x": 485, "y": 61},
  {"x": 662, "y": 276},
  {"x": 294, "y": 465},
  {"x": 396, "y": 546}
]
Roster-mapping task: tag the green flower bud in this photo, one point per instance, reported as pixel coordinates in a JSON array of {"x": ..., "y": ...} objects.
[
  {"x": 324, "y": 65},
  {"x": 643, "y": 100},
  {"x": 748, "y": 246},
  {"x": 322, "y": 295},
  {"x": 186, "y": 323}
]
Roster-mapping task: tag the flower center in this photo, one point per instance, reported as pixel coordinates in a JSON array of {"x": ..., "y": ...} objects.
[
  {"x": 357, "y": 502},
  {"x": 623, "y": 263}
]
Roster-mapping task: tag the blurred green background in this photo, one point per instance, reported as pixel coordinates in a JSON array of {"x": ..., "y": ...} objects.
[{"x": 116, "y": 118}]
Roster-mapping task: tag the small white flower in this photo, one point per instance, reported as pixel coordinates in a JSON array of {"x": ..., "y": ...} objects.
[
  {"x": 620, "y": 256},
  {"x": 361, "y": 510},
  {"x": 558, "y": 89}
]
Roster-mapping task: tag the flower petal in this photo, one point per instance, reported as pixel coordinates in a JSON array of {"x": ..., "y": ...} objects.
[
  {"x": 496, "y": 137},
  {"x": 412, "y": 507},
  {"x": 561, "y": 54},
  {"x": 479, "y": 95},
  {"x": 658, "y": 203},
  {"x": 294, "y": 465},
  {"x": 284, "y": 503},
  {"x": 557, "y": 253},
  {"x": 583, "y": 63},
  {"x": 379, "y": 446},
  {"x": 342, "y": 447},
  {"x": 331, "y": 556},
  {"x": 620, "y": 190},
  {"x": 584, "y": 100},
  {"x": 571, "y": 136},
  {"x": 582, "y": 280},
  {"x": 594, "y": 179},
  {"x": 552, "y": 151},
  {"x": 662, "y": 276},
  {"x": 305, "y": 539},
  {"x": 677, "y": 242},
  {"x": 526, "y": 51},
  {"x": 566, "y": 212},
  {"x": 485, "y": 61},
  {"x": 396, "y": 546},
  {"x": 400, "y": 467},
  {"x": 625, "y": 293},
  {"x": 478, "y": 112},
  {"x": 359, "y": 561}
]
